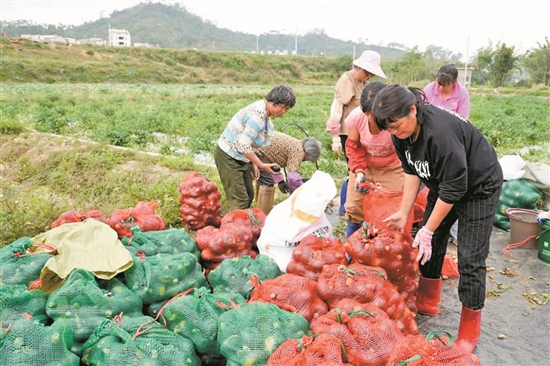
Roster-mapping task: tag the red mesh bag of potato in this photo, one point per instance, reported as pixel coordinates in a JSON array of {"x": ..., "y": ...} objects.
[
  {"x": 367, "y": 333},
  {"x": 379, "y": 203},
  {"x": 313, "y": 253},
  {"x": 365, "y": 285},
  {"x": 253, "y": 218},
  {"x": 319, "y": 350},
  {"x": 200, "y": 202},
  {"x": 143, "y": 215},
  {"x": 380, "y": 246},
  {"x": 291, "y": 293},
  {"x": 229, "y": 241},
  {"x": 75, "y": 216},
  {"x": 420, "y": 204}
]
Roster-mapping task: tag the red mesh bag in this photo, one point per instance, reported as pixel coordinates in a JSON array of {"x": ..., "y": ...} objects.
[
  {"x": 143, "y": 215},
  {"x": 321, "y": 350},
  {"x": 412, "y": 350},
  {"x": 365, "y": 285},
  {"x": 253, "y": 218},
  {"x": 367, "y": 334},
  {"x": 200, "y": 202},
  {"x": 448, "y": 353},
  {"x": 291, "y": 293},
  {"x": 75, "y": 216},
  {"x": 381, "y": 246},
  {"x": 450, "y": 268},
  {"x": 313, "y": 253},
  {"x": 229, "y": 241},
  {"x": 420, "y": 204},
  {"x": 379, "y": 203}
]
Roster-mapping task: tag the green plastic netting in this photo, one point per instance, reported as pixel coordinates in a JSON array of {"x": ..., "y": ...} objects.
[
  {"x": 19, "y": 264},
  {"x": 195, "y": 316},
  {"x": 86, "y": 302},
  {"x": 248, "y": 335},
  {"x": 110, "y": 344},
  {"x": 233, "y": 274},
  {"x": 19, "y": 299},
  {"x": 28, "y": 343},
  {"x": 517, "y": 193},
  {"x": 170, "y": 241},
  {"x": 162, "y": 276}
]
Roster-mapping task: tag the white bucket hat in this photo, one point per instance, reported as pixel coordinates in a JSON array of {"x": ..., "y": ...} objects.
[{"x": 370, "y": 61}]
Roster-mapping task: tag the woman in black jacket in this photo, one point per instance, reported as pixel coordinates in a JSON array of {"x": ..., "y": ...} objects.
[{"x": 449, "y": 155}]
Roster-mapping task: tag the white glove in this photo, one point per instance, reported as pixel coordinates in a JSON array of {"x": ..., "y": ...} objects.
[
  {"x": 336, "y": 145},
  {"x": 423, "y": 241},
  {"x": 360, "y": 178},
  {"x": 542, "y": 217}
]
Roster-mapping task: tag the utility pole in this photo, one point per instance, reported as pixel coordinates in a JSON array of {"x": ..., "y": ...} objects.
[
  {"x": 296, "y": 41},
  {"x": 257, "y": 42},
  {"x": 466, "y": 64}
]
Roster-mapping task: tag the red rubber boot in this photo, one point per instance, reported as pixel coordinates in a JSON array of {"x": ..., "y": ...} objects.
[
  {"x": 469, "y": 329},
  {"x": 428, "y": 296}
]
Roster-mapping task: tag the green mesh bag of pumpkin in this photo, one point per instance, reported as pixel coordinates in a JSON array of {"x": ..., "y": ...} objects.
[
  {"x": 516, "y": 193},
  {"x": 161, "y": 276},
  {"x": 21, "y": 262},
  {"x": 169, "y": 241},
  {"x": 233, "y": 274},
  {"x": 146, "y": 344},
  {"x": 27, "y": 342},
  {"x": 19, "y": 299},
  {"x": 86, "y": 302},
  {"x": 248, "y": 335},
  {"x": 195, "y": 316}
]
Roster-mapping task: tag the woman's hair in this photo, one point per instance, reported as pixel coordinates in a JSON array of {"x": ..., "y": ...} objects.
[
  {"x": 312, "y": 148},
  {"x": 368, "y": 94},
  {"x": 282, "y": 94},
  {"x": 447, "y": 74},
  {"x": 395, "y": 101}
]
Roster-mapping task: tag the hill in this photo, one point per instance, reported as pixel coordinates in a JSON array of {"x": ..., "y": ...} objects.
[{"x": 172, "y": 26}]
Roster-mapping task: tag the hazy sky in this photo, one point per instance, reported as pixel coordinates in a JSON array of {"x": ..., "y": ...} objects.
[{"x": 459, "y": 25}]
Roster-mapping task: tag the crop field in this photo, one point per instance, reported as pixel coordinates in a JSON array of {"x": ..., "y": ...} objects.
[{"x": 43, "y": 176}]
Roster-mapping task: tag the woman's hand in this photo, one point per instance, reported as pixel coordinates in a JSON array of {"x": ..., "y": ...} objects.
[
  {"x": 397, "y": 220},
  {"x": 255, "y": 172},
  {"x": 267, "y": 167}
]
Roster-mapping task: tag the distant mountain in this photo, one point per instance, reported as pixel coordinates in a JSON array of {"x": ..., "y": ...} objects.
[{"x": 172, "y": 26}]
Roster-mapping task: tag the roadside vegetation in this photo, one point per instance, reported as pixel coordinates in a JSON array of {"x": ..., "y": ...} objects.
[{"x": 85, "y": 143}]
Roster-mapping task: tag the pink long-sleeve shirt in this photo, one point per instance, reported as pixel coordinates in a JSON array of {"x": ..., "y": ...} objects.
[{"x": 458, "y": 102}]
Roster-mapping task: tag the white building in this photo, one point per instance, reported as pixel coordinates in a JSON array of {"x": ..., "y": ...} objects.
[{"x": 119, "y": 37}]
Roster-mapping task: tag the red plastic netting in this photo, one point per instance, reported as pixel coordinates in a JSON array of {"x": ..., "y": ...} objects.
[
  {"x": 252, "y": 218},
  {"x": 381, "y": 246},
  {"x": 321, "y": 350},
  {"x": 367, "y": 333},
  {"x": 379, "y": 203},
  {"x": 313, "y": 253},
  {"x": 143, "y": 215},
  {"x": 229, "y": 241},
  {"x": 365, "y": 285},
  {"x": 290, "y": 292},
  {"x": 200, "y": 202},
  {"x": 75, "y": 216}
]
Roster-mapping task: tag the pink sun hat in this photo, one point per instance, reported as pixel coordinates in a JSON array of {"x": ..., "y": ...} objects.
[{"x": 370, "y": 61}]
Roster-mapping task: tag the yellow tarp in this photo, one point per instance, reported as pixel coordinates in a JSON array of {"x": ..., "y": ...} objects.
[{"x": 91, "y": 245}]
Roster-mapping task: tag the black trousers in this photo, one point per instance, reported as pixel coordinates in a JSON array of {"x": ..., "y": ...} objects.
[{"x": 475, "y": 223}]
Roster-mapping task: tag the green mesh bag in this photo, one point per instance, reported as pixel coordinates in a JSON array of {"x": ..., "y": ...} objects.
[
  {"x": 233, "y": 274},
  {"x": 170, "y": 241},
  {"x": 21, "y": 262},
  {"x": 195, "y": 316},
  {"x": 248, "y": 335},
  {"x": 516, "y": 193},
  {"x": 153, "y": 345},
  {"x": 25, "y": 342},
  {"x": 19, "y": 299},
  {"x": 162, "y": 276},
  {"x": 86, "y": 302}
]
